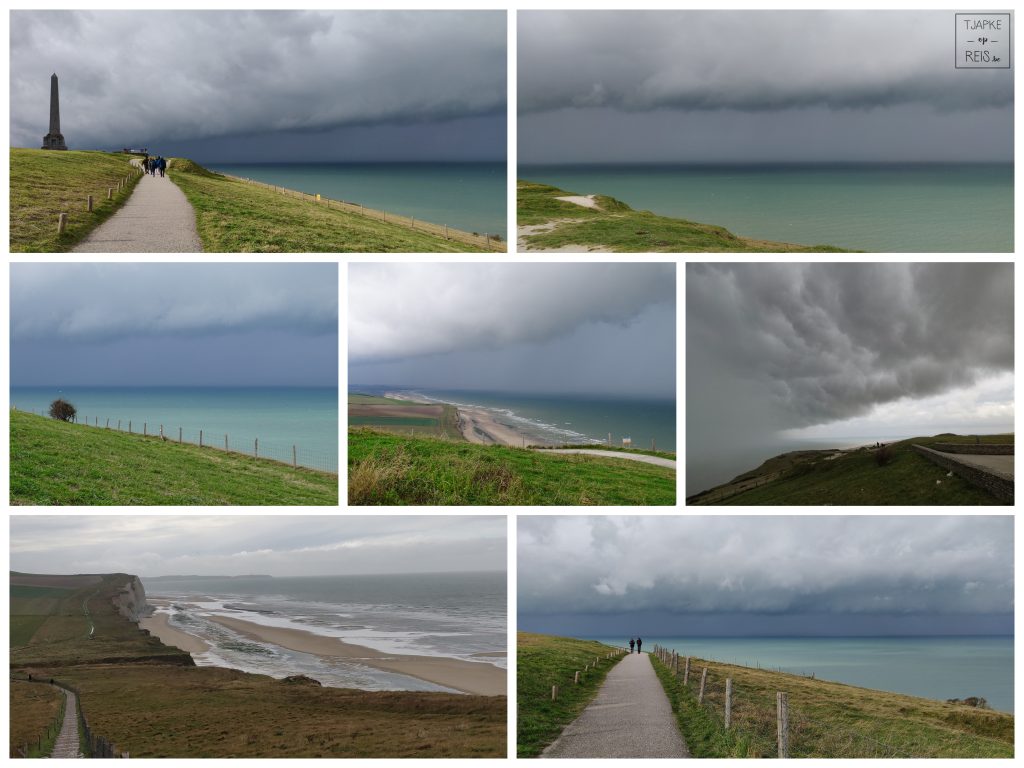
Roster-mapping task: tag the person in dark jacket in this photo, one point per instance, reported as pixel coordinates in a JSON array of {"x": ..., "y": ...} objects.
[
  {"x": 632, "y": 643},
  {"x": 639, "y": 642}
]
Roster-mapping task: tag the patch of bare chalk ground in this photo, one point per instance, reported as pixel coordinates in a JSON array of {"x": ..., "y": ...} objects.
[{"x": 587, "y": 201}]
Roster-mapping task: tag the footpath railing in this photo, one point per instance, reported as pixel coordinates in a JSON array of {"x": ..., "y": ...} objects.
[
  {"x": 487, "y": 241},
  {"x": 92, "y": 744},
  {"x": 780, "y": 730},
  {"x": 293, "y": 455},
  {"x": 45, "y": 742},
  {"x": 577, "y": 675}
]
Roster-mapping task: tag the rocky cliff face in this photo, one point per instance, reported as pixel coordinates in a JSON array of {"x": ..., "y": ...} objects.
[{"x": 130, "y": 601}]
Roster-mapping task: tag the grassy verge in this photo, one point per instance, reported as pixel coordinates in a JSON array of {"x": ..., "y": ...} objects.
[
  {"x": 45, "y": 183},
  {"x": 393, "y": 469},
  {"x": 235, "y": 217},
  {"x": 826, "y": 719},
  {"x": 612, "y": 225},
  {"x": 36, "y": 716},
  {"x": 150, "y": 700},
  {"x": 54, "y": 462},
  {"x": 543, "y": 661},
  {"x": 854, "y": 477}
]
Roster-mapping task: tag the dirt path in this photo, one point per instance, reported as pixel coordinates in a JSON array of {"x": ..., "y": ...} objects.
[
  {"x": 656, "y": 460},
  {"x": 537, "y": 229},
  {"x": 157, "y": 218},
  {"x": 630, "y": 717},
  {"x": 67, "y": 745}
]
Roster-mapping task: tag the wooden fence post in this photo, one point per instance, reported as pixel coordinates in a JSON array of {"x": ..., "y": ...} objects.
[
  {"x": 162, "y": 432},
  {"x": 256, "y": 448},
  {"x": 200, "y": 438},
  {"x": 686, "y": 672},
  {"x": 445, "y": 231},
  {"x": 576, "y": 678},
  {"x": 108, "y": 424},
  {"x": 129, "y": 426},
  {"x": 62, "y": 223},
  {"x": 554, "y": 692},
  {"x": 728, "y": 702},
  {"x": 179, "y": 435},
  {"x": 703, "y": 682},
  {"x": 118, "y": 425},
  {"x": 88, "y": 203},
  {"x": 782, "y": 715},
  {"x": 225, "y": 442},
  {"x": 295, "y": 463},
  {"x": 144, "y": 431}
]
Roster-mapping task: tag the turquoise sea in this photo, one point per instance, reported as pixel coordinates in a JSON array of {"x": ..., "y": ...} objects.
[
  {"x": 449, "y": 615},
  {"x": 932, "y": 667},
  {"x": 560, "y": 419},
  {"x": 881, "y": 207},
  {"x": 280, "y": 417},
  {"x": 467, "y": 196}
]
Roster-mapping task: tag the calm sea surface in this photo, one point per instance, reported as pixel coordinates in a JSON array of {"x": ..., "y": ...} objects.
[
  {"x": 871, "y": 207},
  {"x": 467, "y": 196},
  {"x": 931, "y": 667},
  {"x": 553, "y": 419},
  {"x": 460, "y": 616},
  {"x": 280, "y": 417}
]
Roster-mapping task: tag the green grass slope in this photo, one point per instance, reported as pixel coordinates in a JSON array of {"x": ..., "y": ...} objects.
[
  {"x": 53, "y": 462},
  {"x": 826, "y": 719},
  {"x": 235, "y": 217},
  {"x": 614, "y": 226},
  {"x": 807, "y": 477},
  {"x": 543, "y": 661},
  {"x": 393, "y": 469},
  {"x": 45, "y": 183}
]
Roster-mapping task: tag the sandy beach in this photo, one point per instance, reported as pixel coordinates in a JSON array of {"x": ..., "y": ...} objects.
[
  {"x": 466, "y": 676},
  {"x": 478, "y": 426},
  {"x": 158, "y": 625}
]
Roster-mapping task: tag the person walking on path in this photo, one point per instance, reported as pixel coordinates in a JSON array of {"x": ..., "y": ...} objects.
[
  {"x": 632, "y": 643},
  {"x": 162, "y": 165},
  {"x": 630, "y": 717},
  {"x": 639, "y": 642}
]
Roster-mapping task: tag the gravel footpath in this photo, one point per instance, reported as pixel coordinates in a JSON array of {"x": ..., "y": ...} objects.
[
  {"x": 670, "y": 463},
  {"x": 67, "y": 745},
  {"x": 630, "y": 717}
]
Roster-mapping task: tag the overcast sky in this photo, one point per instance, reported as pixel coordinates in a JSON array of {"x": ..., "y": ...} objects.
[
  {"x": 227, "y": 545},
  {"x": 835, "y": 351},
  {"x": 725, "y": 575},
  {"x": 250, "y": 86},
  {"x": 734, "y": 86},
  {"x": 550, "y": 328},
  {"x": 110, "y": 324}
]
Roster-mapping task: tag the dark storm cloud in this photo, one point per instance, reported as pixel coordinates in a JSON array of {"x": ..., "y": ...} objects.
[
  {"x": 174, "y": 324},
  {"x": 765, "y": 566},
  {"x": 137, "y": 77},
  {"x": 548, "y": 327},
  {"x": 777, "y": 346},
  {"x": 748, "y": 61}
]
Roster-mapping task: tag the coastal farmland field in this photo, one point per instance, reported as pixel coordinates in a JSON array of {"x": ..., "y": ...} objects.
[
  {"x": 387, "y": 469},
  {"x": 403, "y": 416},
  {"x": 150, "y": 700},
  {"x": 826, "y": 719},
  {"x": 54, "y": 462},
  {"x": 607, "y": 224},
  {"x": 853, "y": 477},
  {"x": 235, "y": 217},
  {"x": 543, "y": 661},
  {"x": 45, "y": 184}
]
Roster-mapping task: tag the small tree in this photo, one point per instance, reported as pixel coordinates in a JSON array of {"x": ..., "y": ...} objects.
[
  {"x": 883, "y": 456},
  {"x": 62, "y": 410}
]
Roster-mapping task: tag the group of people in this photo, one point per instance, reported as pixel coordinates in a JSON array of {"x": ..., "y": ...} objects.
[
  {"x": 153, "y": 164},
  {"x": 635, "y": 641}
]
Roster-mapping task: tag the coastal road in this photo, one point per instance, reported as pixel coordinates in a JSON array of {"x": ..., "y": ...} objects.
[
  {"x": 630, "y": 717},
  {"x": 157, "y": 218},
  {"x": 67, "y": 745},
  {"x": 656, "y": 460}
]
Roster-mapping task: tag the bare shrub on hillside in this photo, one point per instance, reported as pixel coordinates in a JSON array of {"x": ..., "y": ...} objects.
[{"x": 62, "y": 410}]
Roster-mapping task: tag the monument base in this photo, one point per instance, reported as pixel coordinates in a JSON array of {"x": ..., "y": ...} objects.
[{"x": 54, "y": 141}]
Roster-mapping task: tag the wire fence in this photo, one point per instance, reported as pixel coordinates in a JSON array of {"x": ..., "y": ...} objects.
[
  {"x": 770, "y": 725},
  {"x": 486, "y": 241},
  {"x": 576, "y": 676},
  {"x": 293, "y": 455}
]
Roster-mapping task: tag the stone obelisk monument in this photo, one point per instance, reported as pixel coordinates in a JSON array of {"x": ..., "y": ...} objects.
[{"x": 54, "y": 139}]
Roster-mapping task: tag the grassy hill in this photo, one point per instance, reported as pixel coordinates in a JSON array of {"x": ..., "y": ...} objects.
[
  {"x": 826, "y": 719},
  {"x": 235, "y": 217},
  {"x": 614, "y": 226},
  {"x": 54, "y": 462},
  {"x": 152, "y": 702},
  {"x": 403, "y": 417},
  {"x": 853, "y": 478},
  {"x": 391, "y": 469},
  {"x": 543, "y": 661},
  {"x": 38, "y": 709},
  {"x": 45, "y": 183}
]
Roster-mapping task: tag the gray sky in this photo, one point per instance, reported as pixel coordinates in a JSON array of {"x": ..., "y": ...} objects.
[
  {"x": 265, "y": 85},
  {"x": 109, "y": 324},
  {"x": 230, "y": 545},
  {"x": 735, "y": 86},
  {"x": 873, "y": 351},
  {"x": 563, "y": 328},
  {"x": 732, "y": 575}
]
